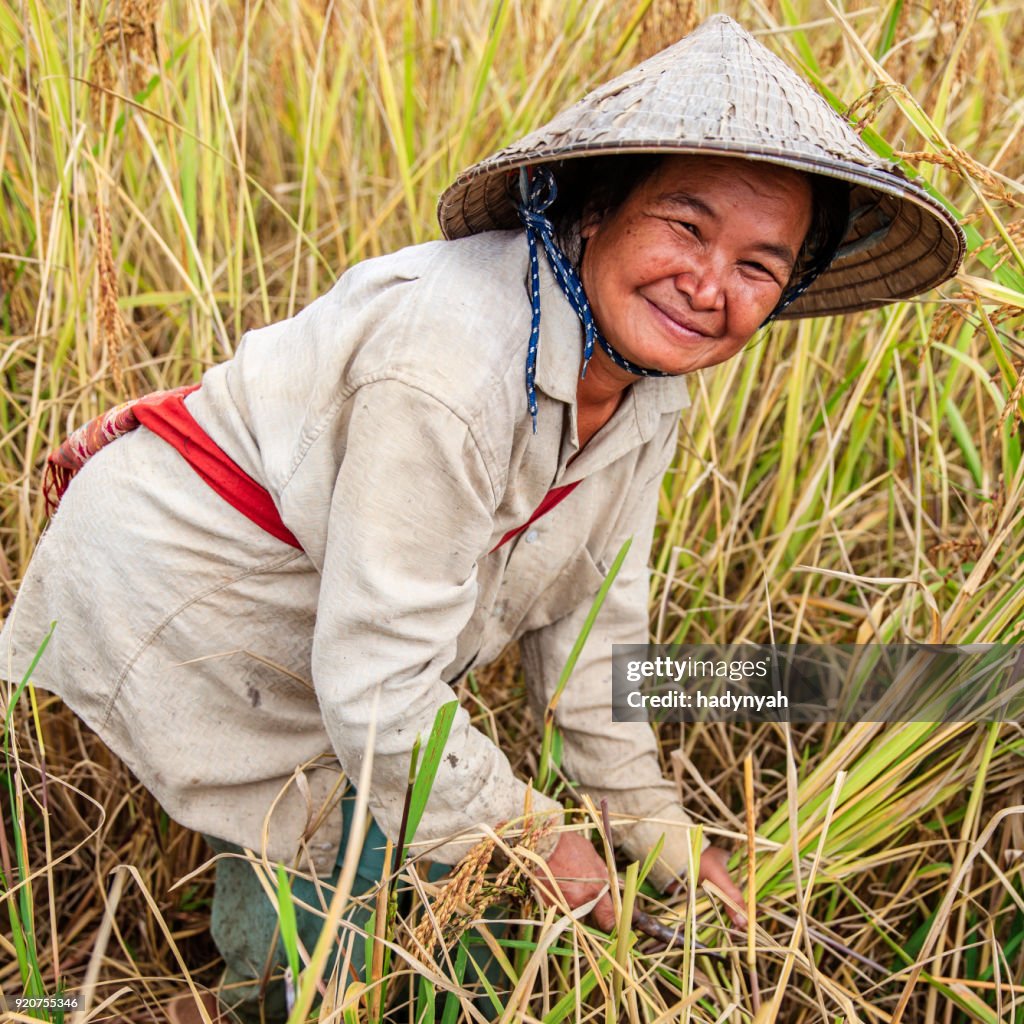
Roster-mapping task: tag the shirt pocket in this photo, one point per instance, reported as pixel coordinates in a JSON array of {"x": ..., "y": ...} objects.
[{"x": 578, "y": 580}]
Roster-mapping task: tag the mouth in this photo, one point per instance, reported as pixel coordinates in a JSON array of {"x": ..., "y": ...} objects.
[{"x": 677, "y": 324}]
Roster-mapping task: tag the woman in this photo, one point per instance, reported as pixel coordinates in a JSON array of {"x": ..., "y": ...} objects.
[{"x": 410, "y": 505}]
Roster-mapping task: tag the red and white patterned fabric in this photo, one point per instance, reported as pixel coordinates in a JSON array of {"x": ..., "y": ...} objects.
[{"x": 76, "y": 450}]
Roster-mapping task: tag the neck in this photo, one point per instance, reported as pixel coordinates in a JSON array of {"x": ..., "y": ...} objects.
[{"x": 598, "y": 394}]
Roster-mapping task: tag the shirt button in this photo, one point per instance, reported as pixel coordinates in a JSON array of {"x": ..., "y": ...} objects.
[{"x": 531, "y": 536}]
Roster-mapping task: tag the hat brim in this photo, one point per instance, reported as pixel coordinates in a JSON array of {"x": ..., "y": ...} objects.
[{"x": 905, "y": 243}]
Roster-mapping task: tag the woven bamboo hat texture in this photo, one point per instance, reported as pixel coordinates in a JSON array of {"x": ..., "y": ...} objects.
[{"x": 719, "y": 91}]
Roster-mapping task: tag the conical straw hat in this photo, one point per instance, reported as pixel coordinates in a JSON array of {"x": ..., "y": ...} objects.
[{"x": 720, "y": 91}]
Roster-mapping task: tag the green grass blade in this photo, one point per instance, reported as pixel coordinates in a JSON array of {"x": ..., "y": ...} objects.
[
  {"x": 545, "y": 773},
  {"x": 427, "y": 769},
  {"x": 286, "y": 918},
  {"x": 25, "y": 680}
]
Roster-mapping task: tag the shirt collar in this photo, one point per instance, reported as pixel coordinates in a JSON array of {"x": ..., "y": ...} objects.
[{"x": 558, "y": 360}]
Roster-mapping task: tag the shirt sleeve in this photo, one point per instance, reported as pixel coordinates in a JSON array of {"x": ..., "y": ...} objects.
[
  {"x": 411, "y": 510},
  {"x": 613, "y": 760}
]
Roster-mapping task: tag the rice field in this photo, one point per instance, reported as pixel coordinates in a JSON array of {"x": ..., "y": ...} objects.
[{"x": 174, "y": 173}]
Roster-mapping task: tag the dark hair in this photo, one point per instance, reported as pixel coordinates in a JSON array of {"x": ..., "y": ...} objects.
[
  {"x": 830, "y": 216},
  {"x": 604, "y": 183},
  {"x": 601, "y": 183}
]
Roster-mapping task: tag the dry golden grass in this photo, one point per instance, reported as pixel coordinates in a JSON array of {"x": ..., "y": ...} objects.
[{"x": 174, "y": 174}]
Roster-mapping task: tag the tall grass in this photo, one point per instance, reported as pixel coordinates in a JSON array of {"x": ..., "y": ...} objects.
[{"x": 174, "y": 174}]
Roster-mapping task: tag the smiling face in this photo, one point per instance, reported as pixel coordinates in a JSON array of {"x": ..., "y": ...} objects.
[{"x": 681, "y": 274}]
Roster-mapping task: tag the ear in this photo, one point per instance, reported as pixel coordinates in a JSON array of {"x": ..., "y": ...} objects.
[{"x": 590, "y": 222}]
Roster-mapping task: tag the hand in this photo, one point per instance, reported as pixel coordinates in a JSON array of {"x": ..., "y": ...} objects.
[
  {"x": 581, "y": 873},
  {"x": 714, "y": 868}
]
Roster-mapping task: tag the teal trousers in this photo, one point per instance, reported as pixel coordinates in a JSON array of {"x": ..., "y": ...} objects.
[{"x": 244, "y": 925}]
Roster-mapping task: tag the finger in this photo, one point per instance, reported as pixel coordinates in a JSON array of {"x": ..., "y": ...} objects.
[
  {"x": 714, "y": 858},
  {"x": 737, "y": 916},
  {"x": 714, "y": 869},
  {"x": 724, "y": 881},
  {"x": 604, "y": 914}
]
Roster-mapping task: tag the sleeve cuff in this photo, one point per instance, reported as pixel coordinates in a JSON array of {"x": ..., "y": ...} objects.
[
  {"x": 640, "y": 836},
  {"x": 542, "y": 806}
]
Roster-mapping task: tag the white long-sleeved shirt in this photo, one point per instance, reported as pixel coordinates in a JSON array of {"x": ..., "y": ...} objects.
[{"x": 388, "y": 421}]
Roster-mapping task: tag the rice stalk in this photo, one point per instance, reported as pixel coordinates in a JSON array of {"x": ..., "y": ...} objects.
[{"x": 852, "y": 479}]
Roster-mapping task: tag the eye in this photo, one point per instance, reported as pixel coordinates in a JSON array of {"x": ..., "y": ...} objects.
[
  {"x": 761, "y": 270},
  {"x": 690, "y": 229}
]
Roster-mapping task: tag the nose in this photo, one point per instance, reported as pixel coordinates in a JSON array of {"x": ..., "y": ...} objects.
[{"x": 703, "y": 284}]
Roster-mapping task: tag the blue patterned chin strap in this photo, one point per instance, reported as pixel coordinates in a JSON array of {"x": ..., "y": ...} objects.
[
  {"x": 831, "y": 250},
  {"x": 537, "y": 195}
]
